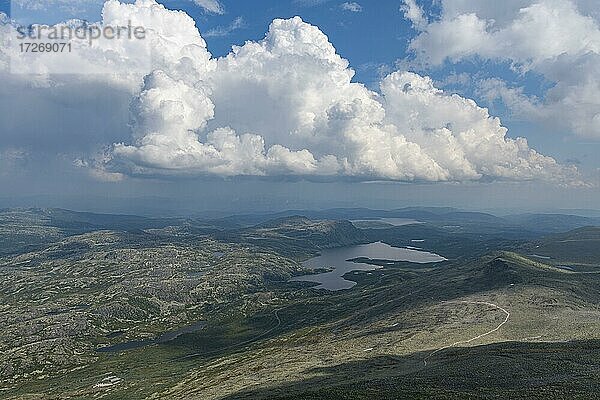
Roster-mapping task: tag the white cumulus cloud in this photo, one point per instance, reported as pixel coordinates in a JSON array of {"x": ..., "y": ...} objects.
[
  {"x": 284, "y": 105},
  {"x": 559, "y": 39}
]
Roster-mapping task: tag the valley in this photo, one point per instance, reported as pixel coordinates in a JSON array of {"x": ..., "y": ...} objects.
[{"x": 224, "y": 309}]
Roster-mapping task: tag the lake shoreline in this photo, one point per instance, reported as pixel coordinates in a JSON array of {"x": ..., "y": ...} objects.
[{"x": 344, "y": 260}]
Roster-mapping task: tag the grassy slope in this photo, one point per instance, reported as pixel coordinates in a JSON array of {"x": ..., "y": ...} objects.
[{"x": 372, "y": 341}]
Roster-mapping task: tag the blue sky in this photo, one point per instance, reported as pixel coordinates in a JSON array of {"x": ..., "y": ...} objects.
[
  {"x": 374, "y": 40},
  {"x": 375, "y": 37},
  {"x": 378, "y": 35}
]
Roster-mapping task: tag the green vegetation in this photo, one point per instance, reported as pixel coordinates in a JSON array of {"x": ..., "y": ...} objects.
[{"x": 492, "y": 322}]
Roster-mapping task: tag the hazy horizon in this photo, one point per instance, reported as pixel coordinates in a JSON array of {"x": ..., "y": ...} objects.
[{"x": 236, "y": 198}]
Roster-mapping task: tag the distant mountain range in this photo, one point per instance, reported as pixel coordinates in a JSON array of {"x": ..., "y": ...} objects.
[{"x": 48, "y": 224}]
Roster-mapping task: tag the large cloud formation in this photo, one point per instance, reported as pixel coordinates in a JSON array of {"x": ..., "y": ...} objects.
[
  {"x": 559, "y": 39},
  {"x": 285, "y": 105}
]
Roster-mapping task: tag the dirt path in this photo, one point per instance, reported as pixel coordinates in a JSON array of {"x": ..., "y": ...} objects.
[{"x": 476, "y": 337}]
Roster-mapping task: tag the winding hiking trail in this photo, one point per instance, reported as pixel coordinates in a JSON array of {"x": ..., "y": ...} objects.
[{"x": 476, "y": 337}]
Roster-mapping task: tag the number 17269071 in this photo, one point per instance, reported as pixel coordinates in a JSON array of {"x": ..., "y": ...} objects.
[{"x": 27, "y": 47}]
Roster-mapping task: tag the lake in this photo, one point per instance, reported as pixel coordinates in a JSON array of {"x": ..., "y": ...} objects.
[
  {"x": 382, "y": 223},
  {"x": 164, "y": 338},
  {"x": 338, "y": 259}
]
